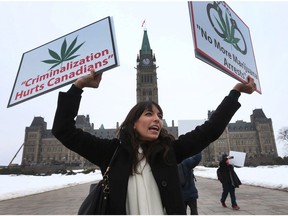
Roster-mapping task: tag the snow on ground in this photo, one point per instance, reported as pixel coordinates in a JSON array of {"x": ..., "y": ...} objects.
[
  {"x": 13, "y": 186},
  {"x": 264, "y": 176}
]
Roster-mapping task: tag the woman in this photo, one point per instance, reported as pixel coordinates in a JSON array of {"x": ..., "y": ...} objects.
[{"x": 143, "y": 178}]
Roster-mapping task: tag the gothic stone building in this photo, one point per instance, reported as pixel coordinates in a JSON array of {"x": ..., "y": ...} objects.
[{"x": 256, "y": 138}]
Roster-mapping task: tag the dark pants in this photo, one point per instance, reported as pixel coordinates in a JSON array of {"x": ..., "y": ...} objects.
[
  {"x": 193, "y": 206},
  {"x": 228, "y": 188}
]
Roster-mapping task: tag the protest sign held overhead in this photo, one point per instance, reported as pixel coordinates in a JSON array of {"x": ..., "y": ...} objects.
[
  {"x": 223, "y": 40},
  {"x": 62, "y": 61},
  {"x": 238, "y": 158}
]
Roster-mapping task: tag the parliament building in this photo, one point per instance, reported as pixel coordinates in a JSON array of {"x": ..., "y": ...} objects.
[{"x": 255, "y": 138}]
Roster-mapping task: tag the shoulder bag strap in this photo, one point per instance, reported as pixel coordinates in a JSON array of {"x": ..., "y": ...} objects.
[
  {"x": 108, "y": 168},
  {"x": 105, "y": 183}
]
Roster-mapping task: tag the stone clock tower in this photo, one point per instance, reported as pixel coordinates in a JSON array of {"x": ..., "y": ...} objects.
[{"x": 146, "y": 73}]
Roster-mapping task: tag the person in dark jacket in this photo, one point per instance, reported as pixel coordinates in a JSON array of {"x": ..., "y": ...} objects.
[
  {"x": 143, "y": 178},
  {"x": 190, "y": 192},
  {"x": 229, "y": 180}
]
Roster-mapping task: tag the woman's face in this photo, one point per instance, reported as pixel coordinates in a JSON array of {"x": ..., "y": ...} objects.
[{"x": 149, "y": 124}]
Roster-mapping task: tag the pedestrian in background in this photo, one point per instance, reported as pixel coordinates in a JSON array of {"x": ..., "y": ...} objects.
[
  {"x": 229, "y": 180},
  {"x": 190, "y": 192}
]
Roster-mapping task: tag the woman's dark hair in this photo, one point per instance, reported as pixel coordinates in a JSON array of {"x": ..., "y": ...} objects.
[{"x": 127, "y": 129}]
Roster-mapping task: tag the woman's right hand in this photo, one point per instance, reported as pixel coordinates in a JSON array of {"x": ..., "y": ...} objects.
[
  {"x": 91, "y": 80},
  {"x": 248, "y": 88}
]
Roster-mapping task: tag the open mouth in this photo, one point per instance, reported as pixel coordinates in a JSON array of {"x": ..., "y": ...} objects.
[{"x": 154, "y": 128}]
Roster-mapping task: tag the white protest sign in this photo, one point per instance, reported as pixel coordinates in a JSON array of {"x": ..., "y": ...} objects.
[
  {"x": 238, "y": 158},
  {"x": 65, "y": 59},
  {"x": 223, "y": 40},
  {"x": 185, "y": 126}
]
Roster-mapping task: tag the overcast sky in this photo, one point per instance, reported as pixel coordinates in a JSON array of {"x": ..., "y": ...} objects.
[{"x": 187, "y": 87}]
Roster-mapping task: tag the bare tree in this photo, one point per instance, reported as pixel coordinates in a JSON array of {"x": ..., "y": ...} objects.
[
  {"x": 283, "y": 137},
  {"x": 283, "y": 134}
]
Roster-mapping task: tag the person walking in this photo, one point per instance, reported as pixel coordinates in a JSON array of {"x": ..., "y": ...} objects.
[
  {"x": 190, "y": 192},
  {"x": 229, "y": 180},
  {"x": 143, "y": 178}
]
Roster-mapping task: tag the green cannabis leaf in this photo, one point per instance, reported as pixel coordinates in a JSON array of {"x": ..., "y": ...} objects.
[
  {"x": 228, "y": 31},
  {"x": 65, "y": 54}
]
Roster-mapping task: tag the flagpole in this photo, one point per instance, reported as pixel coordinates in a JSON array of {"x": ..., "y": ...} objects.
[{"x": 144, "y": 24}]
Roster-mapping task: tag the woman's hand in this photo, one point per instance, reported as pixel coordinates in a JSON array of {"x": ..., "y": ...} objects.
[
  {"x": 91, "y": 80},
  {"x": 248, "y": 88}
]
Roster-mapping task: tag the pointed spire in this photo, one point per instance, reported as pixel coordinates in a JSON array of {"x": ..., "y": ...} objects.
[{"x": 145, "y": 49}]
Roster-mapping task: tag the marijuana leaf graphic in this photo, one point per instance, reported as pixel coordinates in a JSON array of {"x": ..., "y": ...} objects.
[
  {"x": 228, "y": 31},
  {"x": 65, "y": 54}
]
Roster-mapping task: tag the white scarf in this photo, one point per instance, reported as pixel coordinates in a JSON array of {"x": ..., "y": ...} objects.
[{"x": 143, "y": 196}]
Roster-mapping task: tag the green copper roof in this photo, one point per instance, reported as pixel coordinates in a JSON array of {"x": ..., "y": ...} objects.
[{"x": 145, "y": 49}]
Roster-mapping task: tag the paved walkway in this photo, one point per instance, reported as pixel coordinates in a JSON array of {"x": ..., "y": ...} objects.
[{"x": 252, "y": 201}]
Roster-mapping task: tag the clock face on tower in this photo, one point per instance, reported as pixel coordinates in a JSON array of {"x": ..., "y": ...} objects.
[{"x": 146, "y": 61}]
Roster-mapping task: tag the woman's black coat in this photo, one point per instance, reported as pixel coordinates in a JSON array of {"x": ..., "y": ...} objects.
[{"x": 99, "y": 151}]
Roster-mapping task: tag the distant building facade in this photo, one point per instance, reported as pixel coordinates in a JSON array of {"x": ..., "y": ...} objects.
[
  {"x": 256, "y": 138},
  {"x": 41, "y": 148}
]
